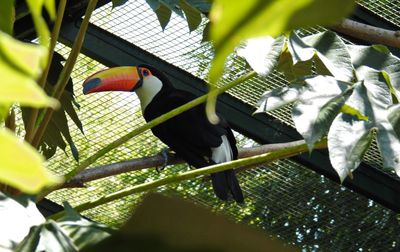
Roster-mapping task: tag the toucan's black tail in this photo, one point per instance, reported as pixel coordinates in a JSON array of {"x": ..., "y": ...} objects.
[{"x": 224, "y": 182}]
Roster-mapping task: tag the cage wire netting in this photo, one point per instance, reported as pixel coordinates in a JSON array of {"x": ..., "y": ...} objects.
[{"x": 284, "y": 198}]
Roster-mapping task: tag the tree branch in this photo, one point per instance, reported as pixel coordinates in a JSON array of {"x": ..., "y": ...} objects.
[
  {"x": 243, "y": 162},
  {"x": 368, "y": 33},
  {"x": 158, "y": 160}
]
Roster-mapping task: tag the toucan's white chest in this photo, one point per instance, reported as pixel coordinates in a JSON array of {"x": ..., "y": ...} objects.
[{"x": 150, "y": 88}]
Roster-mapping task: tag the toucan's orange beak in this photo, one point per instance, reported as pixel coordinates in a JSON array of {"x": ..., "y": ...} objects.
[{"x": 124, "y": 78}]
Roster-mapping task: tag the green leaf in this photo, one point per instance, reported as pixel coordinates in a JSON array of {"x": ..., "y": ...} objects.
[
  {"x": 262, "y": 54},
  {"x": 17, "y": 87},
  {"x": 7, "y": 14},
  {"x": 116, "y": 3},
  {"x": 25, "y": 57},
  {"x": 379, "y": 95},
  {"x": 279, "y": 97},
  {"x": 22, "y": 166},
  {"x": 206, "y": 31},
  {"x": 348, "y": 140},
  {"x": 394, "y": 118},
  {"x": 346, "y": 109},
  {"x": 234, "y": 21},
  {"x": 319, "y": 103},
  {"x": 4, "y": 110},
  {"x": 163, "y": 15},
  {"x": 293, "y": 72},
  {"x": 53, "y": 238},
  {"x": 31, "y": 242},
  {"x": 192, "y": 15},
  {"x": 365, "y": 58},
  {"x": 42, "y": 30},
  {"x": 16, "y": 221},
  {"x": 172, "y": 229},
  {"x": 332, "y": 52},
  {"x": 82, "y": 232}
]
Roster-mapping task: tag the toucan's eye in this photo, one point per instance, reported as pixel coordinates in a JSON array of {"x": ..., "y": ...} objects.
[{"x": 145, "y": 72}]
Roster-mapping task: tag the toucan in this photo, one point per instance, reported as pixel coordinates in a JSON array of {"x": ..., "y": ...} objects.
[{"x": 190, "y": 135}]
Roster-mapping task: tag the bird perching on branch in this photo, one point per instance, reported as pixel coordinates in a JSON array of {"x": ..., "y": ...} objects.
[{"x": 190, "y": 135}]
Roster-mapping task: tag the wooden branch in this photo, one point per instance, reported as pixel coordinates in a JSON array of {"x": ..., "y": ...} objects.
[
  {"x": 369, "y": 33},
  {"x": 158, "y": 160}
]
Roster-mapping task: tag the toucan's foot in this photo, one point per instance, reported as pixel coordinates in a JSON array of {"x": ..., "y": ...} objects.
[{"x": 165, "y": 154}]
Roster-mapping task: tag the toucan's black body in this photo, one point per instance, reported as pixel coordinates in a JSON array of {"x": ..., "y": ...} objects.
[{"x": 191, "y": 135}]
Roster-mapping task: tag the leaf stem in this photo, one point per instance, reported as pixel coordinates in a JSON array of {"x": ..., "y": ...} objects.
[
  {"x": 31, "y": 125},
  {"x": 66, "y": 72}
]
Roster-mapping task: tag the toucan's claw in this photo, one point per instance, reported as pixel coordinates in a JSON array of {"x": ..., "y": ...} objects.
[{"x": 165, "y": 154}]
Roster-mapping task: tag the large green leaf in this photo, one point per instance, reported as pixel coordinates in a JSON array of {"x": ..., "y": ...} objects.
[
  {"x": 350, "y": 136},
  {"x": 348, "y": 140},
  {"x": 20, "y": 64},
  {"x": 366, "y": 57},
  {"x": 21, "y": 165},
  {"x": 327, "y": 50},
  {"x": 293, "y": 71},
  {"x": 262, "y": 54},
  {"x": 16, "y": 220},
  {"x": 183, "y": 226},
  {"x": 333, "y": 53},
  {"x": 379, "y": 95},
  {"x": 279, "y": 97},
  {"x": 71, "y": 233},
  {"x": 394, "y": 118},
  {"x": 234, "y": 21},
  {"x": 7, "y": 16},
  {"x": 319, "y": 103}
]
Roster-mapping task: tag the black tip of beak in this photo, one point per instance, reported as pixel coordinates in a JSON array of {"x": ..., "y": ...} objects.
[{"x": 90, "y": 84}]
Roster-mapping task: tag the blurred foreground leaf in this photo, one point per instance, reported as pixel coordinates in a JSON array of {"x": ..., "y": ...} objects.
[
  {"x": 21, "y": 166},
  {"x": 162, "y": 224}
]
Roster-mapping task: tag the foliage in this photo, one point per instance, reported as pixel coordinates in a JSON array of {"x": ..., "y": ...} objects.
[
  {"x": 352, "y": 93},
  {"x": 233, "y": 22},
  {"x": 189, "y": 9},
  {"x": 58, "y": 128},
  {"x": 71, "y": 233},
  {"x": 20, "y": 65}
]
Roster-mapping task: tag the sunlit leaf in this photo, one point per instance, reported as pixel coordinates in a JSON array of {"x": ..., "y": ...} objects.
[
  {"x": 263, "y": 53},
  {"x": 35, "y": 6},
  {"x": 234, "y": 21},
  {"x": 7, "y": 16},
  {"x": 394, "y": 118},
  {"x": 366, "y": 57},
  {"x": 332, "y": 51},
  {"x": 21, "y": 165},
  {"x": 4, "y": 109},
  {"x": 16, "y": 220},
  {"x": 278, "y": 98},
  {"x": 25, "y": 57},
  {"x": 379, "y": 95},
  {"x": 319, "y": 103},
  {"x": 348, "y": 140},
  {"x": 17, "y": 87},
  {"x": 293, "y": 72}
]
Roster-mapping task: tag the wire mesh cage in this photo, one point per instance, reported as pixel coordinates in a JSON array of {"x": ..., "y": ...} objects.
[{"x": 284, "y": 198}]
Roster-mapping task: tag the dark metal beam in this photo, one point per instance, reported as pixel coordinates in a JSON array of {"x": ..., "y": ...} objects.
[{"x": 111, "y": 50}]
